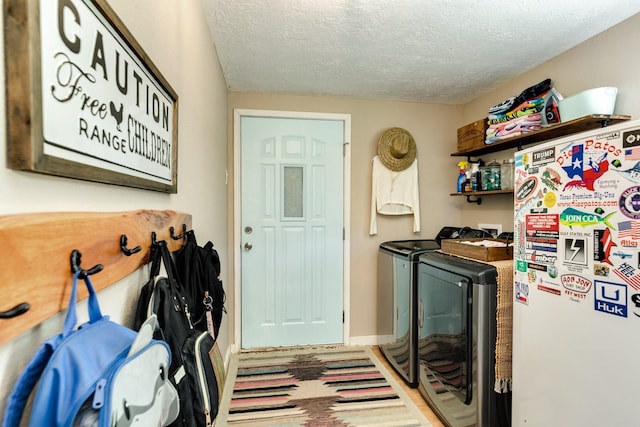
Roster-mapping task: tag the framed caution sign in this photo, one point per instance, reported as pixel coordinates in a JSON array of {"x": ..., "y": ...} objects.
[{"x": 83, "y": 99}]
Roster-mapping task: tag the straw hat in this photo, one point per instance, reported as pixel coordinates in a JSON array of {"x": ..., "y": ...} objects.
[{"x": 396, "y": 149}]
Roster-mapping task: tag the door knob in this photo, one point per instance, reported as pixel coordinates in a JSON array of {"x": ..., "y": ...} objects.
[{"x": 248, "y": 246}]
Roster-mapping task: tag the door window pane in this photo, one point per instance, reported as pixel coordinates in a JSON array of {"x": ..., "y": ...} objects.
[{"x": 292, "y": 191}]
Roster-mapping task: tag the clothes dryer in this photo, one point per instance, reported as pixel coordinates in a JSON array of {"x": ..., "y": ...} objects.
[{"x": 397, "y": 296}]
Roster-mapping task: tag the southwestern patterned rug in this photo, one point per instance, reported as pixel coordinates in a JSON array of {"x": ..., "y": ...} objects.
[{"x": 314, "y": 386}]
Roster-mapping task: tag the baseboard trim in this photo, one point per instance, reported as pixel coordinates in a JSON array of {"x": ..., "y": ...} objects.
[{"x": 371, "y": 340}]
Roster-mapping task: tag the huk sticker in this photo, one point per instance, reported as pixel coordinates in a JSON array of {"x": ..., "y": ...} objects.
[{"x": 610, "y": 298}]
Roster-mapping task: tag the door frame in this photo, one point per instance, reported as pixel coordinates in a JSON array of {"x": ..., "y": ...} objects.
[{"x": 237, "y": 210}]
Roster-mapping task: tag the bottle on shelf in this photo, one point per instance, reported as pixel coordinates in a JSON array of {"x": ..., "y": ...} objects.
[
  {"x": 491, "y": 176},
  {"x": 476, "y": 180},
  {"x": 506, "y": 174},
  {"x": 467, "y": 182},
  {"x": 462, "y": 176}
]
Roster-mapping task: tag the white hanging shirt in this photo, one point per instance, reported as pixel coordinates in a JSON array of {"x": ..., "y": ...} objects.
[{"x": 394, "y": 193}]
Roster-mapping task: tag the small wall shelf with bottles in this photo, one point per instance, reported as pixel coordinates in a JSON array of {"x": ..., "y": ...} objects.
[{"x": 578, "y": 125}]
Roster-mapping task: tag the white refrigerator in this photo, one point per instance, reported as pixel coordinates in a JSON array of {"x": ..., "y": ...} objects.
[{"x": 576, "y": 308}]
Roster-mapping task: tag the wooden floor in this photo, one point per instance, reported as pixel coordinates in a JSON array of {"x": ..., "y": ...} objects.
[{"x": 412, "y": 392}]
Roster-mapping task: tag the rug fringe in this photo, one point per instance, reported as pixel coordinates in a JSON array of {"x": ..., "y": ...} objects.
[{"x": 502, "y": 386}]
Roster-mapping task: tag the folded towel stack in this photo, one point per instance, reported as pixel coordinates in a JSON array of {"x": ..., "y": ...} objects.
[{"x": 519, "y": 114}]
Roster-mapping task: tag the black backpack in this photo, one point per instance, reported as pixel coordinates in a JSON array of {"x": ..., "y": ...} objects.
[
  {"x": 191, "y": 370},
  {"x": 198, "y": 269}
]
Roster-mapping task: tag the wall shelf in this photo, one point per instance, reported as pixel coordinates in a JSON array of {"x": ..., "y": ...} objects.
[
  {"x": 555, "y": 131},
  {"x": 477, "y": 194},
  {"x": 581, "y": 124},
  {"x": 482, "y": 193}
]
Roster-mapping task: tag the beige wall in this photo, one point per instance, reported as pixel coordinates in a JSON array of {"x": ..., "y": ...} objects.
[{"x": 176, "y": 37}]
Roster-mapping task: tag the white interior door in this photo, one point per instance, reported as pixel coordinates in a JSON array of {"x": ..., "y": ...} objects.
[{"x": 291, "y": 231}]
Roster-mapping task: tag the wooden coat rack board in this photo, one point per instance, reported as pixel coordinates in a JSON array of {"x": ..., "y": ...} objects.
[{"x": 35, "y": 262}]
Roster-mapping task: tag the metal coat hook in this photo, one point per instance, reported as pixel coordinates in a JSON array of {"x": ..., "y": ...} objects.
[
  {"x": 15, "y": 311},
  {"x": 75, "y": 265},
  {"x": 179, "y": 236},
  {"x": 125, "y": 250}
]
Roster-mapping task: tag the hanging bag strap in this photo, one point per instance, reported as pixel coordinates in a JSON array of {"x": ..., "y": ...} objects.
[
  {"x": 162, "y": 257},
  {"x": 144, "y": 306},
  {"x": 93, "y": 306},
  {"x": 17, "y": 401},
  {"x": 169, "y": 265}
]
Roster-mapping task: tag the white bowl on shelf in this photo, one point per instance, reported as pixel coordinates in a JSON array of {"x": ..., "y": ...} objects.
[{"x": 599, "y": 100}]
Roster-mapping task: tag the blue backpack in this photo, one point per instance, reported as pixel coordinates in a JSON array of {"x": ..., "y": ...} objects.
[{"x": 102, "y": 374}]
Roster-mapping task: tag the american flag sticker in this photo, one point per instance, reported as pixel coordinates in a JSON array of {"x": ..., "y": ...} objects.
[
  {"x": 632, "y": 153},
  {"x": 629, "y": 230},
  {"x": 628, "y": 273}
]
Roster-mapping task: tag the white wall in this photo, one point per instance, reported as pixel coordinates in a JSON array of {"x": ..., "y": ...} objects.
[{"x": 175, "y": 36}]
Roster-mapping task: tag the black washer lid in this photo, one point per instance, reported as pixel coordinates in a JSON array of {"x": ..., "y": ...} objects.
[{"x": 412, "y": 245}]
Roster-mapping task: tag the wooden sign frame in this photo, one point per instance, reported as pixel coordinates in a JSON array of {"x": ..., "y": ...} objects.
[{"x": 84, "y": 101}]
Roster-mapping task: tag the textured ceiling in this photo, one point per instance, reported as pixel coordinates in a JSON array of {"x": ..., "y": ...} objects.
[{"x": 440, "y": 51}]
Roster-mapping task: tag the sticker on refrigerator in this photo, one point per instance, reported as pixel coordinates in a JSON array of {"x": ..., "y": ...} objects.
[
  {"x": 635, "y": 299},
  {"x": 527, "y": 188},
  {"x": 629, "y": 230},
  {"x": 572, "y": 217},
  {"x": 542, "y": 236},
  {"x": 610, "y": 298},
  {"x": 540, "y": 158},
  {"x": 631, "y": 138},
  {"x": 602, "y": 245},
  {"x": 601, "y": 270},
  {"x": 632, "y": 174},
  {"x": 575, "y": 252},
  {"x": 583, "y": 168},
  {"x": 632, "y": 153},
  {"x": 629, "y": 274},
  {"x": 543, "y": 157},
  {"x": 629, "y": 202},
  {"x": 521, "y": 293},
  {"x": 549, "y": 289},
  {"x": 576, "y": 287},
  {"x": 551, "y": 179}
]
